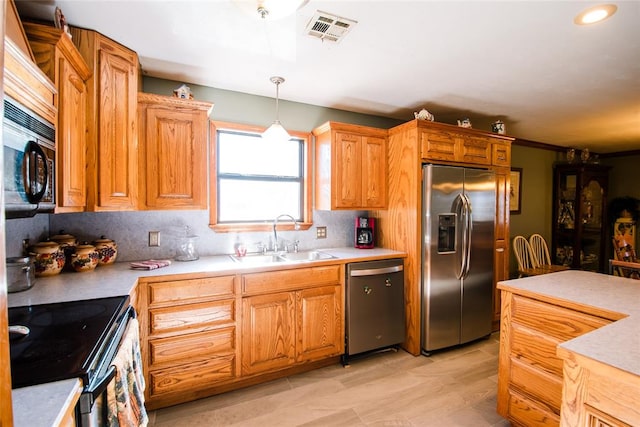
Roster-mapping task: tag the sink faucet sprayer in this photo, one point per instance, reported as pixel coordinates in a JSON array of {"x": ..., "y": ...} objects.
[{"x": 296, "y": 226}]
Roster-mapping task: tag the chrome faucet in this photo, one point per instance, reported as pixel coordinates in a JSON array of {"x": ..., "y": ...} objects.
[{"x": 296, "y": 226}]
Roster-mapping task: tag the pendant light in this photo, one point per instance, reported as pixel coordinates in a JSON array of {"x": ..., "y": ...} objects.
[
  {"x": 276, "y": 132},
  {"x": 270, "y": 10}
]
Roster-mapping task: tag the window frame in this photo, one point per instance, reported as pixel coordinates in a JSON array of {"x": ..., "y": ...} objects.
[{"x": 227, "y": 227}]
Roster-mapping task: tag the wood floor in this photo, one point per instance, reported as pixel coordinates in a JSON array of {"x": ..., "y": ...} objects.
[{"x": 451, "y": 388}]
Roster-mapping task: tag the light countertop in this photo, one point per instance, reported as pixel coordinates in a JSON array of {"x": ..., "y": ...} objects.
[
  {"x": 119, "y": 279},
  {"x": 43, "y": 405},
  {"x": 617, "y": 344}
]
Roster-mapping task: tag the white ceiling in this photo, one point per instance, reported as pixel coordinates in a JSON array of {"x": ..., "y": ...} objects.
[{"x": 524, "y": 62}]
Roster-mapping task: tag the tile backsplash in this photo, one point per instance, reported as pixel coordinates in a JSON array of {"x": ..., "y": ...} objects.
[{"x": 130, "y": 230}]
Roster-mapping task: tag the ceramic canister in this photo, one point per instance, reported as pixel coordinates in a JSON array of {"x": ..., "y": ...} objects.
[
  {"x": 107, "y": 249},
  {"x": 85, "y": 258},
  {"x": 67, "y": 244},
  {"x": 48, "y": 258}
]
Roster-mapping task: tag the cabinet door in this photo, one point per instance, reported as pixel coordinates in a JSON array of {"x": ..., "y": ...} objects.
[
  {"x": 475, "y": 150},
  {"x": 71, "y": 139},
  {"x": 374, "y": 172},
  {"x": 348, "y": 173},
  {"x": 320, "y": 324},
  {"x": 117, "y": 161},
  {"x": 175, "y": 164},
  {"x": 268, "y": 332},
  {"x": 439, "y": 145}
]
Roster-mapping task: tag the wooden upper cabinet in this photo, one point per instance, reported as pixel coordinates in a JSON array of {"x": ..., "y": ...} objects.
[
  {"x": 351, "y": 167},
  {"x": 173, "y": 152},
  {"x": 57, "y": 56},
  {"x": 453, "y": 145},
  {"x": 112, "y": 178}
]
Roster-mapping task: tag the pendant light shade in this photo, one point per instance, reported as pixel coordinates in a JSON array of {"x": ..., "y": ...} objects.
[{"x": 276, "y": 132}]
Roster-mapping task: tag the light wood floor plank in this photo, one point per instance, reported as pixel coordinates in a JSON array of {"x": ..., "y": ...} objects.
[{"x": 455, "y": 387}]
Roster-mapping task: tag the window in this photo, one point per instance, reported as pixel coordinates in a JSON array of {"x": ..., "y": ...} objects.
[{"x": 254, "y": 181}]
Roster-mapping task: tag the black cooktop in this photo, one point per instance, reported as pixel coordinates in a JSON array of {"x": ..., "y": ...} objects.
[{"x": 63, "y": 340}]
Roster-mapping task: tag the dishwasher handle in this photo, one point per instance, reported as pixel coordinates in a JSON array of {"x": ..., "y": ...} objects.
[{"x": 376, "y": 271}]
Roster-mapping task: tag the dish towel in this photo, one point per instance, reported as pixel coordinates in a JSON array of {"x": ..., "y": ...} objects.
[
  {"x": 125, "y": 394},
  {"x": 151, "y": 264}
]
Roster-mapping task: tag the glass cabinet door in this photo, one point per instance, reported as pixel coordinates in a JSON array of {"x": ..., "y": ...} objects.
[
  {"x": 579, "y": 221},
  {"x": 591, "y": 211}
]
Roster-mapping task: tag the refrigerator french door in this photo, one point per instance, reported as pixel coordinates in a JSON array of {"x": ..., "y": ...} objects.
[{"x": 457, "y": 255}]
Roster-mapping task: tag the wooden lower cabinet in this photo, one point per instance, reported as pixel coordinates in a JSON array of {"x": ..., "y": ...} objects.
[
  {"x": 188, "y": 336},
  {"x": 320, "y": 330},
  {"x": 594, "y": 392},
  {"x": 285, "y": 328},
  {"x": 268, "y": 332},
  {"x": 206, "y": 334},
  {"x": 530, "y": 373}
]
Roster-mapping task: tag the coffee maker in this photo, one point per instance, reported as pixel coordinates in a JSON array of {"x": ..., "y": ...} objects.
[{"x": 365, "y": 232}]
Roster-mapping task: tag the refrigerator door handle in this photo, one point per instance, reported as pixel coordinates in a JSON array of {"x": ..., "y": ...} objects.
[
  {"x": 459, "y": 209},
  {"x": 468, "y": 233}
]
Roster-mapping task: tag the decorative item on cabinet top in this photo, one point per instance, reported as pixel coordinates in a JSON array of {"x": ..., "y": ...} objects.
[
  {"x": 465, "y": 123},
  {"x": 423, "y": 115},
  {"x": 498, "y": 127},
  {"x": 183, "y": 92}
]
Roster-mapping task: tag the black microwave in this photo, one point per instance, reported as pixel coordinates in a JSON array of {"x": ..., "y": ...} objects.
[{"x": 29, "y": 161}]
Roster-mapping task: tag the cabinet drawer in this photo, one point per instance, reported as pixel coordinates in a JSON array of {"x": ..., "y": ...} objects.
[
  {"x": 553, "y": 320},
  {"x": 195, "y": 317},
  {"x": 536, "y": 348},
  {"x": 438, "y": 145},
  {"x": 476, "y": 150},
  {"x": 528, "y": 412},
  {"x": 501, "y": 154},
  {"x": 538, "y": 384},
  {"x": 192, "y": 376},
  {"x": 290, "y": 279},
  {"x": 188, "y": 347},
  {"x": 185, "y": 290}
]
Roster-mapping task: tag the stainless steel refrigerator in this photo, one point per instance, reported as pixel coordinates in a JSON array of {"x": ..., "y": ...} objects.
[{"x": 459, "y": 209}]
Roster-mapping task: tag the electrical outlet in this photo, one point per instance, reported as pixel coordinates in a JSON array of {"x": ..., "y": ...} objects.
[
  {"x": 154, "y": 238},
  {"x": 321, "y": 232}
]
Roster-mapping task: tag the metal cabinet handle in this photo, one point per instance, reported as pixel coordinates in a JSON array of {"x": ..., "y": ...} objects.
[{"x": 375, "y": 271}]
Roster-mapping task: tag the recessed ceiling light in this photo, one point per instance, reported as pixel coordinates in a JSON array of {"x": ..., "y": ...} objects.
[{"x": 595, "y": 14}]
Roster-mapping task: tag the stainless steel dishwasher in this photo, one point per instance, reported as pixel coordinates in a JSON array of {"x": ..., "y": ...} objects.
[{"x": 375, "y": 306}]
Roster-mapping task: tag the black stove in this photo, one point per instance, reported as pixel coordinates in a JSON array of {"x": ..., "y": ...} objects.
[{"x": 65, "y": 340}]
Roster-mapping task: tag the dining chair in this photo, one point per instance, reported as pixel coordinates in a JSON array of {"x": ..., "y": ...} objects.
[
  {"x": 540, "y": 250},
  {"x": 624, "y": 269},
  {"x": 524, "y": 254}
]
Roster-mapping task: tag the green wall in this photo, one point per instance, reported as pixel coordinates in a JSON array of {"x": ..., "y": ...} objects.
[
  {"x": 624, "y": 178},
  {"x": 256, "y": 110},
  {"x": 536, "y": 191}
]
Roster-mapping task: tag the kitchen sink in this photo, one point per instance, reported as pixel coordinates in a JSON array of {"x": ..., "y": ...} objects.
[
  {"x": 257, "y": 258},
  {"x": 281, "y": 257},
  {"x": 306, "y": 256}
]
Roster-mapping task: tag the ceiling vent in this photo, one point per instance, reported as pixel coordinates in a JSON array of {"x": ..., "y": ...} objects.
[{"x": 326, "y": 26}]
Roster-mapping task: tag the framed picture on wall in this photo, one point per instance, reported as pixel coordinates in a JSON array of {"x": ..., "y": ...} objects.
[{"x": 515, "y": 191}]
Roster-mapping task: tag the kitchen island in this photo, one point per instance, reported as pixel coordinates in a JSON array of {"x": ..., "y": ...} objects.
[
  {"x": 570, "y": 350},
  {"x": 119, "y": 279}
]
